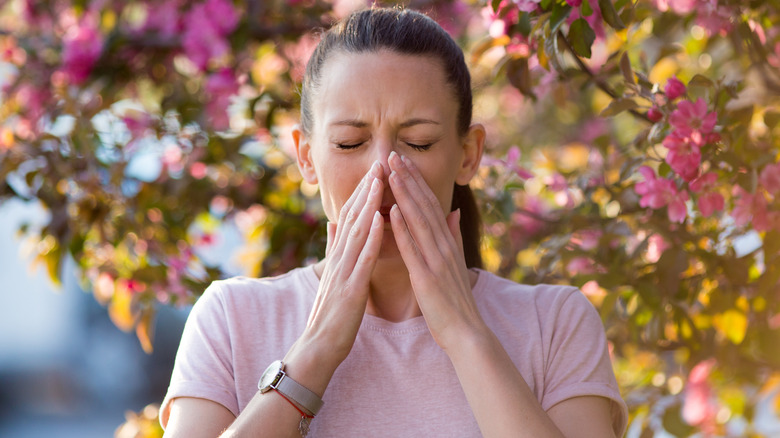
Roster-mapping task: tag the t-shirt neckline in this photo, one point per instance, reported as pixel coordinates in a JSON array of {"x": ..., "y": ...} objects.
[{"x": 376, "y": 323}]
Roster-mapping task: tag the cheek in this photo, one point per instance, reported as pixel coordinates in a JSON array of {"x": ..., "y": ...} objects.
[{"x": 337, "y": 184}]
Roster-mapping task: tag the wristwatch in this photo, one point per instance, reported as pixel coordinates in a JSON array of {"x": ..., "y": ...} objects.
[{"x": 274, "y": 377}]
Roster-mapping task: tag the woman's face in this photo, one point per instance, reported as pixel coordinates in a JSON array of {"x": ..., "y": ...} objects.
[{"x": 370, "y": 104}]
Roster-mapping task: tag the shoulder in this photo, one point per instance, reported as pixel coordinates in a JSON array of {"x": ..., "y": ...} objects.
[
  {"x": 289, "y": 292},
  {"x": 297, "y": 282},
  {"x": 545, "y": 298}
]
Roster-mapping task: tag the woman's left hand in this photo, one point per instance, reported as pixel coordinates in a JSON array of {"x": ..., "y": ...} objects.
[{"x": 431, "y": 246}]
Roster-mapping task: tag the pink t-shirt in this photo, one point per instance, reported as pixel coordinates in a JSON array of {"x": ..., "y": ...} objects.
[{"x": 396, "y": 382}]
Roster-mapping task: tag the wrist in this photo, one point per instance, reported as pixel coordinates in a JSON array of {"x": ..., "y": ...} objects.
[{"x": 310, "y": 365}]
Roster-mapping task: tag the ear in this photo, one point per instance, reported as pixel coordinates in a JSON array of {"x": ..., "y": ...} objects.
[
  {"x": 473, "y": 146},
  {"x": 303, "y": 155}
]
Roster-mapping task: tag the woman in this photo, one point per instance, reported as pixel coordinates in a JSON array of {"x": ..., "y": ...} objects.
[{"x": 397, "y": 329}]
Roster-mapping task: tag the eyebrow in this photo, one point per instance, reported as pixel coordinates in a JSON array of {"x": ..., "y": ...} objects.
[{"x": 407, "y": 124}]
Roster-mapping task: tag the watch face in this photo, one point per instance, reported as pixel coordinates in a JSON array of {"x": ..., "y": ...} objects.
[{"x": 270, "y": 376}]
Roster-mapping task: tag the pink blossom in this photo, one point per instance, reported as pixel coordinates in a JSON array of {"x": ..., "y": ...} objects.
[
  {"x": 499, "y": 20},
  {"x": 526, "y": 221},
  {"x": 527, "y": 5},
  {"x": 654, "y": 114},
  {"x": 677, "y": 210},
  {"x": 715, "y": 18},
  {"x": 206, "y": 27},
  {"x": 659, "y": 192},
  {"x": 510, "y": 163},
  {"x": 299, "y": 53},
  {"x": 574, "y": 3},
  {"x": 770, "y": 178},
  {"x": 682, "y": 7},
  {"x": 692, "y": 120},
  {"x": 198, "y": 170},
  {"x": 774, "y": 58},
  {"x": 223, "y": 15},
  {"x": 699, "y": 408},
  {"x": 674, "y": 88},
  {"x": 33, "y": 100},
  {"x": 163, "y": 17},
  {"x": 751, "y": 208},
  {"x": 684, "y": 156},
  {"x": 220, "y": 87},
  {"x": 580, "y": 265},
  {"x": 710, "y": 200},
  {"x": 82, "y": 46},
  {"x": 656, "y": 245},
  {"x": 586, "y": 239}
]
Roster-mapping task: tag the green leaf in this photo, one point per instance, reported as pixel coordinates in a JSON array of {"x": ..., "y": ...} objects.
[
  {"x": 617, "y": 106},
  {"x": 585, "y": 9},
  {"x": 771, "y": 118},
  {"x": 559, "y": 14},
  {"x": 581, "y": 37},
  {"x": 495, "y": 4},
  {"x": 625, "y": 68},
  {"x": 701, "y": 81},
  {"x": 518, "y": 74},
  {"x": 610, "y": 15},
  {"x": 664, "y": 169}
]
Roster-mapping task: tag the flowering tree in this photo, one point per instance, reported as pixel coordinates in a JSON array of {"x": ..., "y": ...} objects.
[{"x": 633, "y": 154}]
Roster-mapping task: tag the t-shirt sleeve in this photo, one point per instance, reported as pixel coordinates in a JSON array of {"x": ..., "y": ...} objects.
[
  {"x": 204, "y": 361},
  {"x": 577, "y": 361}
]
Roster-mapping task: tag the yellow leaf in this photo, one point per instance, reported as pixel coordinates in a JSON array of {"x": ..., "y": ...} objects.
[
  {"x": 121, "y": 311},
  {"x": 145, "y": 330},
  {"x": 573, "y": 156},
  {"x": 732, "y": 324},
  {"x": 663, "y": 70}
]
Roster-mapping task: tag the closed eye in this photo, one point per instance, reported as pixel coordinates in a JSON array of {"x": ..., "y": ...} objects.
[
  {"x": 420, "y": 147},
  {"x": 348, "y": 146}
]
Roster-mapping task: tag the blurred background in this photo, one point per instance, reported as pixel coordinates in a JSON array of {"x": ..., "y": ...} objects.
[
  {"x": 65, "y": 369},
  {"x": 145, "y": 151}
]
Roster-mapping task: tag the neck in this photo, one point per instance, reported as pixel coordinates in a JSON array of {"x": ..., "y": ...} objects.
[{"x": 390, "y": 294}]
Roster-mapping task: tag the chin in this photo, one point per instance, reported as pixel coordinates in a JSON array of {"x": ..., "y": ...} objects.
[{"x": 389, "y": 249}]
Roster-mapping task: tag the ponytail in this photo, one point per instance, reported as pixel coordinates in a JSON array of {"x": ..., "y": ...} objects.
[{"x": 470, "y": 224}]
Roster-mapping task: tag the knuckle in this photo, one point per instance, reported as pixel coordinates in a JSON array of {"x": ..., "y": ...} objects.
[
  {"x": 420, "y": 219},
  {"x": 352, "y": 215},
  {"x": 356, "y": 231}
]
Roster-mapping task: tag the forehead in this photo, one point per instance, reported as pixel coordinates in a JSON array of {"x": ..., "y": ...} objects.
[{"x": 383, "y": 85}]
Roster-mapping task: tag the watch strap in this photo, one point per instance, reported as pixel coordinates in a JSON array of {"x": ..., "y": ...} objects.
[{"x": 299, "y": 394}]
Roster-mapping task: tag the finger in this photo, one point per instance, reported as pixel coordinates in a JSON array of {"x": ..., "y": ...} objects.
[
  {"x": 453, "y": 222},
  {"x": 419, "y": 225},
  {"x": 355, "y": 238},
  {"x": 350, "y": 213},
  {"x": 330, "y": 229},
  {"x": 421, "y": 197},
  {"x": 370, "y": 252},
  {"x": 417, "y": 177},
  {"x": 410, "y": 253},
  {"x": 374, "y": 172}
]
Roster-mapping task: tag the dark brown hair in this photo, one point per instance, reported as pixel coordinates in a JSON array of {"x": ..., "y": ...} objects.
[{"x": 410, "y": 33}]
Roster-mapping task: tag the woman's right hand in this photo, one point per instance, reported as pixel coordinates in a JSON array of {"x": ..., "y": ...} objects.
[{"x": 351, "y": 253}]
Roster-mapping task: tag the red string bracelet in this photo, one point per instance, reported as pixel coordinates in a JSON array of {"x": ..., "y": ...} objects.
[{"x": 303, "y": 414}]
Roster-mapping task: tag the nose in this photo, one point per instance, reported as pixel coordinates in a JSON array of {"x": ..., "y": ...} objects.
[{"x": 382, "y": 154}]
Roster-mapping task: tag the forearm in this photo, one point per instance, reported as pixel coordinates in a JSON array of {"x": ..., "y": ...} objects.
[
  {"x": 269, "y": 414},
  {"x": 500, "y": 399}
]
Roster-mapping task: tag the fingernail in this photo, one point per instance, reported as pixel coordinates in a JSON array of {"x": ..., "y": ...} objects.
[
  {"x": 458, "y": 213},
  {"x": 375, "y": 168},
  {"x": 375, "y": 185},
  {"x": 394, "y": 210}
]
